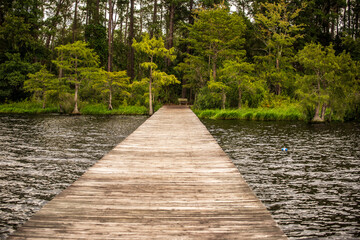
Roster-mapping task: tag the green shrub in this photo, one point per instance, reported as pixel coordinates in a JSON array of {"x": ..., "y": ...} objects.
[
  {"x": 26, "y": 107},
  {"x": 292, "y": 112}
]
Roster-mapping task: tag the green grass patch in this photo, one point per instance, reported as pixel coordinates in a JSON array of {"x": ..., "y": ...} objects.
[
  {"x": 95, "y": 109},
  {"x": 26, "y": 107},
  {"x": 101, "y": 109},
  {"x": 288, "y": 113}
]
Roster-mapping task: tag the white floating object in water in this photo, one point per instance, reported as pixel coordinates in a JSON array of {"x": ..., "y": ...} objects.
[{"x": 284, "y": 149}]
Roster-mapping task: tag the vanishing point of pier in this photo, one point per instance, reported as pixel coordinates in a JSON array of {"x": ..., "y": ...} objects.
[{"x": 168, "y": 180}]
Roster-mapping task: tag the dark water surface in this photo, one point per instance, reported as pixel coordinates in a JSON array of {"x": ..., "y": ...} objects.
[
  {"x": 41, "y": 155},
  {"x": 313, "y": 190}
]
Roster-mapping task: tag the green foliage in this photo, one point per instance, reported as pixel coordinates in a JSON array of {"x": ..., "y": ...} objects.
[
  {"x": 121, "y": 110},
  {"x": 139, "y": 92},
  {"x": 217, "y": 34},
  {"x": 155, "y": 47},
  {"x": 96, "y": 36},
  {"x": 278, "y": 34},
  {"x": 29, "y": 107},
  {"x": 207, "y": 99},
  {"x": 79, "y": 62},
  {"x": 76, "y": 59},
  {"x": 329, "y": 81},
  {"x": 217, "y": 68},
  {"x": 194, "y": 70},
  {"x": 41, "y": 83},
  {"x": 239, "y": 73},
  {"x": 13, "y": 73},
  {"x": 290, "y": 113},
  {"x": 110, "y": 82}
]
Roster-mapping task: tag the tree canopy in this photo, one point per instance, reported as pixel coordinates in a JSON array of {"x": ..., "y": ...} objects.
[{"x": 216, "y": 54}]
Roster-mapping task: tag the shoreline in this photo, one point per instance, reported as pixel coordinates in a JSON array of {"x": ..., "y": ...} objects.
[
  {"x": 88, "y": 109},
  {"x": 285, "y": 113},
  {"x": 253, "y": 114}
]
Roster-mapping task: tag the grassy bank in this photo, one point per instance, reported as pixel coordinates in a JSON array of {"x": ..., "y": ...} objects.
[
  {"x": 26, "y": 107},
  {"x": 95, "y": 109},
  {"x": 289, "y": 113},
  {"x": 121, "y": 110}
]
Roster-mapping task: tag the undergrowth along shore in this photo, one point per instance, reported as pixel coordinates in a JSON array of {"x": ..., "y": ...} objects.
[
  {"x": 88, "y": 109},
  {"x": 290, "y": 113},
  {"x": 261, "y": 114}
]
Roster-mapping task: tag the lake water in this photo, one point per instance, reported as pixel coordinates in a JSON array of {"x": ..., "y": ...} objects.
[
  {"x": 313, "y": 189},
  {"x": 40, "y": 155}
]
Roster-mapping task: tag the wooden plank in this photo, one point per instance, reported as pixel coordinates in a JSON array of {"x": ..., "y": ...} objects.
[{"x": 167, "y": 180}]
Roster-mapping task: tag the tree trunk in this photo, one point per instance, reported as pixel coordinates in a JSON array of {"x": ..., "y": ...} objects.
[
  {"x": 126, "y": 23},
  {"x": 344, "y": 19},
  {"x": 61, "y": 70},
  {"x": 110, "y": 99},
  {"x": 349, "y": 13},
  {"x": 151, "y": 111},
  {"x": 154, "y": 20},
  {"x": 171, "y": 25},
  {"x": 44, "y": 100},
  {"x": 188, "y": 50},
  {"x": 277, "y": 85},
  {"x": 214, "y": 69},
  {"x": 131, "y": 54},
  {"x": 191, "y": 18},
  {"x": 183, "y": 90},
  {"x": 53, "y": 23},
  {"x": 170, "y": 42},
  {"x": 240, "y": 96},
  {"x": 316, "y": 117},
  {"x": 88, "y": 14},
  {"x": 323, "y": 110},
  {"x": 223, "y": 99},
  {"x": 110, "y": 26},
  {"x": 161, "y": 16},
  {"x": 75, "y": 22},
  {"x": 114, "y": 23},
  {"x": 141, "y": 18},
  {"x": 97, "y": 13},
  {"x": 76, "y": 110}
]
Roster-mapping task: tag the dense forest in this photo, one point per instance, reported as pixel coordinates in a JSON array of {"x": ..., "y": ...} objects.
[{"x": 229, "y": 54}]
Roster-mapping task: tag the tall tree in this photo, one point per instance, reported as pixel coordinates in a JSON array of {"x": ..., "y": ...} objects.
[
  {"x": 54, "y": 20},
  {"x": 195, "y": 71},
  {"x": 131, "y": 54},
  {"x": 80, "y": 62},
  {"x": 110, "y": 35},
  {"x": 217, "y": 34},
  {"x": 153, "y": 27},
  {"x": 75, "y": 22},
  {"x": 278, "y": 33},
  {"x": 108, "y": 82},
  {"x": 240, "y": 73},
  {"x": 327, "y": 78},
  {"x": 155, "y": 47}
]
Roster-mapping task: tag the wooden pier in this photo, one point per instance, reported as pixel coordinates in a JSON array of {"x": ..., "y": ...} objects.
[{"x": 167, "y": 180}]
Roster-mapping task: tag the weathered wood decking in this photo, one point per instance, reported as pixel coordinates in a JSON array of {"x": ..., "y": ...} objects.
[{"x": 167, "y": 180}]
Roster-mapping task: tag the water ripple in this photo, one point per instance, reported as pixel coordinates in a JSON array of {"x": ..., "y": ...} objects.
[
  {"x": 42, "y": 155},
  {"x": 313, "y": 190}
]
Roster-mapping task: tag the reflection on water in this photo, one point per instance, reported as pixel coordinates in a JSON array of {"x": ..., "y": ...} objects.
[
  {"x": 313, "y": 190},
  {"x": 41, "y": 155}
]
